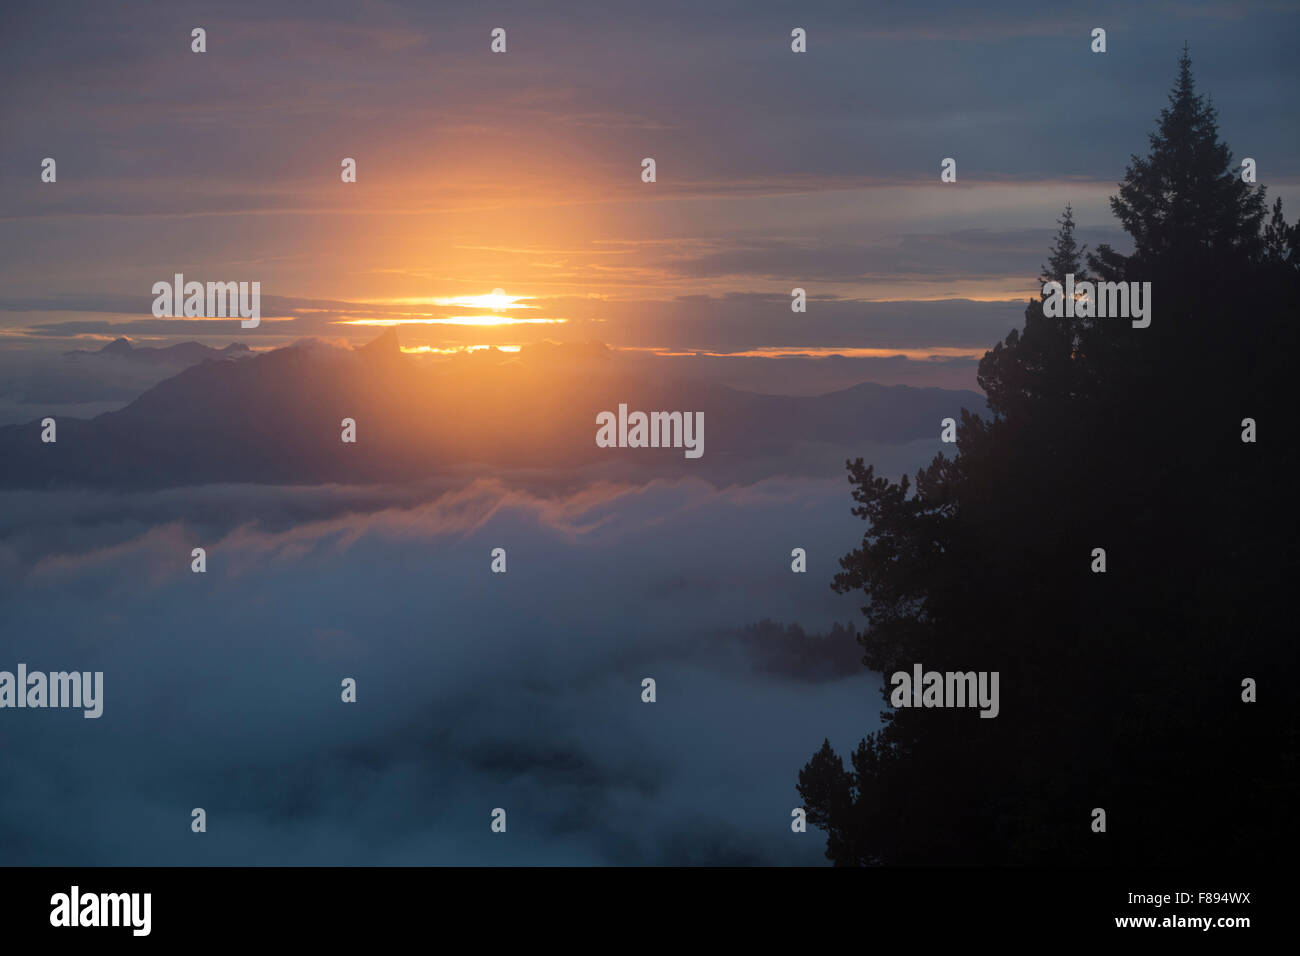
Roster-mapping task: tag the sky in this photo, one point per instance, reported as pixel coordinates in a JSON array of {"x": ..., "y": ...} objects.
[{"x": 521, "y": 171}]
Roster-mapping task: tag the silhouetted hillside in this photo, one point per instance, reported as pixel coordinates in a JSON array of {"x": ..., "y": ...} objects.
[
  {"x": 276, "y": 418},
  {"x": 181, "y": 355}
]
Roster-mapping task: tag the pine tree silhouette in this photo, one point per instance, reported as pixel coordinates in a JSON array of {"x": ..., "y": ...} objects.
[{"x": 1121, "y": 689}]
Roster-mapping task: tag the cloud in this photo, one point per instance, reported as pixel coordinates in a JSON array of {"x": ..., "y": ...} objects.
[
  {"x": 734, "y": 322},
  {"x": 476, "y": 690}
]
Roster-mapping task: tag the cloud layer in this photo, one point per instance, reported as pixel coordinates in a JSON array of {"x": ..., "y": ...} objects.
[{"x": 476, "y": 690}]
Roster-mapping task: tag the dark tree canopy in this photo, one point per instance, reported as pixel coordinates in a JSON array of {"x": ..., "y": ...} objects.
[
  {"x": 1122, "y": 689},
  {"x": 1186, "y": 196}
]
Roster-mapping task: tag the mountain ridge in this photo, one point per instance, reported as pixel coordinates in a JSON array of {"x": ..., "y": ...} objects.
[{"x": 276, "y": 418}]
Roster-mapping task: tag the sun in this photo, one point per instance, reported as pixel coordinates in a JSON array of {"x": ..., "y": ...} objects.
[{"x": 496, "y": 300}]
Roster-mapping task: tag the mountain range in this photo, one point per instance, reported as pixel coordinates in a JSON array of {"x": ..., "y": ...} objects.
[
  {"x": 183, "y": 354},
  {"x": 275, "y": 417}
]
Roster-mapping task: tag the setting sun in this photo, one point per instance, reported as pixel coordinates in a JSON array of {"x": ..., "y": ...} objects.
[
  {"x": 496, "y": 300},
  {"x": 455, "y": 320}
]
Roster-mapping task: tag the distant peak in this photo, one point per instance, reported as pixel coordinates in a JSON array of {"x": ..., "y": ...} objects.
[
  {"x": 116, "y": 346},
  {"x": 386, "y": 344}
]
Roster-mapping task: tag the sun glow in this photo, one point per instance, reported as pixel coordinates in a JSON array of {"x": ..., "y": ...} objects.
[
  {"x": 455, "y": 320},
  {"x": 496, "y": 300},
  {"x": 455, "y": 349}
]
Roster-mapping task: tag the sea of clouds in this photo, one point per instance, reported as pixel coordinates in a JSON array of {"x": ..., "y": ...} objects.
[{"x": 475, "y": 690}]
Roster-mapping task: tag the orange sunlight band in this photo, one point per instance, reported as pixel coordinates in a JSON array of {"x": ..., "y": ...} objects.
[
  {"x": 778, "y": 352},
  {"x": 455, "y": 320}
]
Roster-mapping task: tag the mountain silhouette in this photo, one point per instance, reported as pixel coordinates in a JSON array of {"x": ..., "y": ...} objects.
[
  {"x": 276, "y": 418},
  {"x": 184, "y": 354}
]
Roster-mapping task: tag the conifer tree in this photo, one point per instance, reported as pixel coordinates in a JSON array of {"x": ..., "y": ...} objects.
[{"x": 1119, "y": 689}]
